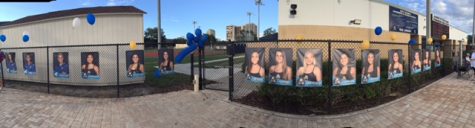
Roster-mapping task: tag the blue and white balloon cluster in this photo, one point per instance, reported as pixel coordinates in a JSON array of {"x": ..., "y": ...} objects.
[{"x": 193, "y": 42}]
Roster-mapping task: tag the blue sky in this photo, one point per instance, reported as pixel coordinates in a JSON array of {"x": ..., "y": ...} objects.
[
  {"x": 13, "y": 11},
  {"x": 178, "y": 15}
]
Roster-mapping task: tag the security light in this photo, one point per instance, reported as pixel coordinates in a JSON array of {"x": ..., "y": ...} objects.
[
  {"x": 293, "y": 9},
  {"x": 356, "y": 21}
]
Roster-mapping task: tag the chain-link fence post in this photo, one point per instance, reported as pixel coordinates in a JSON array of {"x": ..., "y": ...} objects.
[
  {"x": 47, "y": 67},
  {"x": 117, "y": 68},
  {"x": 192, "y": 69},
  {"x": 329, "y": 93},
  {"x": 230, "y": 52},
  {"x": 200, "y": 67},
  {"x": 3, "y": 77},
  {"x": 409, "y": 50},
  {"x": 203, "y": 69}
]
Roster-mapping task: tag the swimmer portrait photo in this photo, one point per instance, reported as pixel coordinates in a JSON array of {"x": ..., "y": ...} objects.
[
  {"x": 61, "y": 65},
  {"x": 29, "y": 67},
  {"x": 90, "y": 66},
  {"x": 438, "y": 58},
  {"x": 309, "y": 68},
  {"x": 11, "y": 63},
  {"x": 135, "y": 64},
  {"x": 416, "y": 65},
  {"x": 344, "y": 67},
  {"x": 254, "y": 65},
  {"x": 371, "y": 71},
  {"x": 427, "y": 62},
  {"x": 396, "y": 65},
  {"x": 280, "y": 71},
  {"x": 166, "y": 60}
]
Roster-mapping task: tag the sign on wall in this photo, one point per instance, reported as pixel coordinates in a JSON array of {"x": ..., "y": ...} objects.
[{"x": 402, "y": 21}]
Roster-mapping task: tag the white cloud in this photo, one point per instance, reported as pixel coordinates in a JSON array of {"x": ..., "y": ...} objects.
[
  {"x": 119, "y": 2},
  {"x": 86, "y": 3},
  {"x": 459, "y": 13}
]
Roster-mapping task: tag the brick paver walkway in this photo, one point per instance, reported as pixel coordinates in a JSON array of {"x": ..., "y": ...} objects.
[{"x": 448, "y": 102}]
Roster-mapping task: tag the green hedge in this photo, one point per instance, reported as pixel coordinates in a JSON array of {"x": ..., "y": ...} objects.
[{"x": 318, "y": 98}]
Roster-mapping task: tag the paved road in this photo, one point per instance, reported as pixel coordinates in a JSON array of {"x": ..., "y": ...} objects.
[{"x": 448, "y": 102}]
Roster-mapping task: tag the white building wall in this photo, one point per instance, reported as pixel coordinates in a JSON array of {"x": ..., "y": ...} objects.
[
  {"x": 108, "y": 29},
  {"x": 372, "y": 13},
  {"x": 456, "y": 34},
  {"x": 335, "y": 13},
  {"x": 112, "y": 28}
]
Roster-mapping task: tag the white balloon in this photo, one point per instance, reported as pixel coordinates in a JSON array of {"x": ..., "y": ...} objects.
[{"x": 76, "y": 22}]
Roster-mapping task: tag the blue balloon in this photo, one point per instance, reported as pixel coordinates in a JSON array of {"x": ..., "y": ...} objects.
[
  {"x": 26, "y": 38},
  {"x": 198, "y": 33},
  {"x": 203, "y": 41},
  {"x": 3, "y": 38},
  {"x": 157, "y": 73},
  {"x": 378, "y": 30},
  {"x": 91, "y": 19},
  {"x": 185, "y": 52},
  {"x": 412, "y": 42},
  {"x": 189, "y": 38}
]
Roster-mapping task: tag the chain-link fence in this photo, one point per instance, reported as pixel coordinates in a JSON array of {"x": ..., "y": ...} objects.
[
  {"x": 247, "y": 86},
  {"x": 107, "y": 70}
]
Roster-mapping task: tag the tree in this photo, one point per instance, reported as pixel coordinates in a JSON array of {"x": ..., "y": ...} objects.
[
  {"x": 211, "y": 39},
  {"x": 151, "y": 37},
  {"x": 269, "y": 31}
]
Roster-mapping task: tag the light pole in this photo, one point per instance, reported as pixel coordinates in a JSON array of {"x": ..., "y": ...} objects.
[
  {"x": 258, "y": 3},
  {"x": 194, "y": 25},
  {"x": 473, "y": 30},
  {"x": 249, "y": 14},
  {"x": 159, "y": 39},
  {"x": 428, "y": 21},
  {"x": 247, "y": 28}
]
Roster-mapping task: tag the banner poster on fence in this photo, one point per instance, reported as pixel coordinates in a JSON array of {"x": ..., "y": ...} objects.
[
  {"x": 371, "y": 71},
  {"x": 426, "y": 62},
  {"x": 438, "y": 58},
  {"x": 344, "y": 67},
  {"x": 396, "y": 65},
  {"x": 90, "y": 69},
  {"x": 61, "y": 65},
  {"x": 280, "y": 71},
  {"x": 416, "y": 63},
  {"x": 309, "y": 68},
  {"x": 135, "y": 63},
  {"x": 29, "y": 67},
  {"x": 254, "y": 64},
  {"x": 166, "y": 60},
  {"x": 11, "y": 63}
]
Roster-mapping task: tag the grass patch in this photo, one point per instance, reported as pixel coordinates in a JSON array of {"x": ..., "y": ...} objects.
[{"x": 164, "y": 80}]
